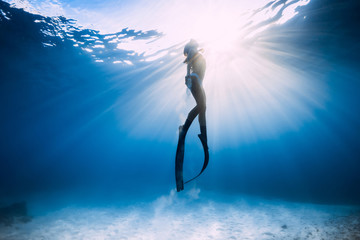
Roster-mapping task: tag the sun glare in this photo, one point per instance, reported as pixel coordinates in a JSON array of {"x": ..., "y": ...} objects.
[{"x": 250, "y": 93}]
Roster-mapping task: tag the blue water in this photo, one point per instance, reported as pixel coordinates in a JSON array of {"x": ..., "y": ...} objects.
[{"x": 78, "y": 126}]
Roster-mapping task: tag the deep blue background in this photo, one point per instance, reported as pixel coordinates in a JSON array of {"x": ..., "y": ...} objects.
[{"x": 57, "y": 138}]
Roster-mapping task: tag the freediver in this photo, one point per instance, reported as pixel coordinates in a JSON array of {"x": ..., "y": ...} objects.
[{"x": 196, "y": 66}]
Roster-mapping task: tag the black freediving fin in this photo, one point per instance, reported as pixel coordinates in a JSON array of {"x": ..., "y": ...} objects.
[
  {"x": 206, "y": 158},
  {"x": 179, "y": 160}
]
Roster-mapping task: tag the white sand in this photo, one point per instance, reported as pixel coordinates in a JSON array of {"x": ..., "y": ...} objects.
[{"x": 193, "y": 216}]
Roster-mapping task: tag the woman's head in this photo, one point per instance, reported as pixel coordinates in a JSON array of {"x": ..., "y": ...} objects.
[{"x": 190, "y": 46}]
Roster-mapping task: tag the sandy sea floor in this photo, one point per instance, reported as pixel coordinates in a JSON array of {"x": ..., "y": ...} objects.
[{"x": 193, "y": 216}]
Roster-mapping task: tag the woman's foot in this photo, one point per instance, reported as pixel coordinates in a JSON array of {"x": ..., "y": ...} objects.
[{"x": 181, "y": 131}]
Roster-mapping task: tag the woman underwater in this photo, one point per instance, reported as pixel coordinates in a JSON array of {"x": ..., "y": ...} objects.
[{"x": 196, "y": 66}]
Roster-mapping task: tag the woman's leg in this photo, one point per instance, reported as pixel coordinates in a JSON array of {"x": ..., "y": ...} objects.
[
  {"x": 200, "y": 98},
  {"x": 200, "y": 108}
]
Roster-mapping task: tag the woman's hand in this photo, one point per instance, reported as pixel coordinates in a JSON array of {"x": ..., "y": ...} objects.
[{"x": 188, "y": 82}]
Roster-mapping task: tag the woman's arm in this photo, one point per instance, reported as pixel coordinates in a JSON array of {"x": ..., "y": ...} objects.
[
  {"x": 188, "y": 68},
  {"x": 189, "y": 60}
]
